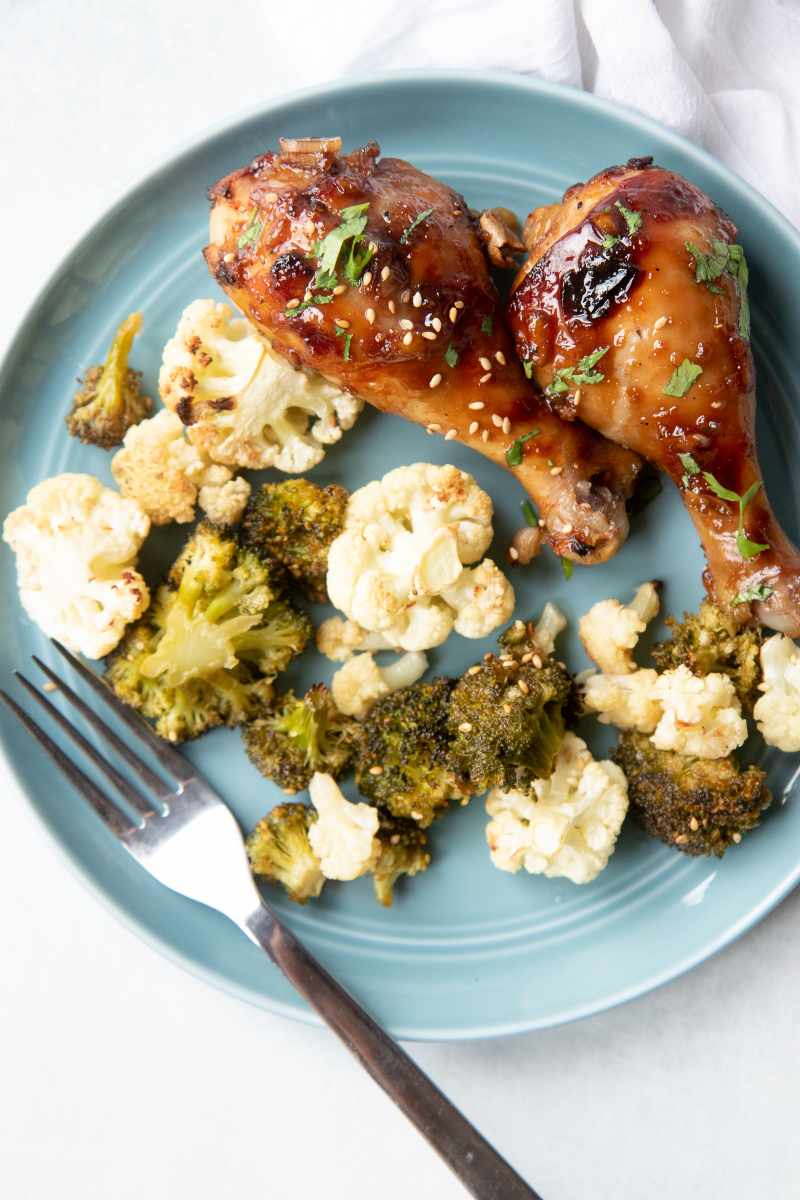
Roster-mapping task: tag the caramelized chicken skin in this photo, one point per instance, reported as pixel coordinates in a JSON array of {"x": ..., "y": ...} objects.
[
  {"x": 621, "y": 333},
  {"x": 410, "y": 322}
]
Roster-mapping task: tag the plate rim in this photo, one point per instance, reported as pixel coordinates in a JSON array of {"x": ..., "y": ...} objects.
[{"x": 168, "y": 160}]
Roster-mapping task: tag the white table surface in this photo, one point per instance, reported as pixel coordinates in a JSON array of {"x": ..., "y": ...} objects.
[{"x": 124, "y": 1078}]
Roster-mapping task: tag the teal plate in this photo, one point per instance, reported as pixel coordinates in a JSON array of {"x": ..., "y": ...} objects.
[{"x": 467, "y": 951}]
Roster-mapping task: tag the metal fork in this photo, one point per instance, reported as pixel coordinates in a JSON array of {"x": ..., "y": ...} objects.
[{"x": 188, "y": 838}]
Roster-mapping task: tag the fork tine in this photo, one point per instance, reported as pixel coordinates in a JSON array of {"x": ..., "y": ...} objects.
[
  {"x": 147, "y": 776},
  {"x": 169, "y": 758},
  {"x": 126, "y": 789},
  {"x": 117, "y": 821}
]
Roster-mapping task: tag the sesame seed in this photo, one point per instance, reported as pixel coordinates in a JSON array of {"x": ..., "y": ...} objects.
[
  {"x": 537, "y": 662},
  {"x": 506, "y": 709},
  {"x": 485, "y": 362},
  {"x": 476, "y": 405},
  {"x": 737, "y": 837},
  {"x": 473, "y": 670},
  {"x": 429, "y": 335},
  {"x": 523, "y": 687},
  {"x": 567, "y": 529},
  {"x": 453, "y": 315},
  {"x": 556, "y": 470},
  {"x": 577, "y": 397},
  {"x": 435, "y": 380},
  {"x": 392, "y": 306},
  {"x": 434, "y": 426},
  {"x": 437, "y": 324},
  {"x": 474, "y": 427},
  {"x": 229, "y": 257},
  {"x": 376, "y": 770},
  {"x": 450, "y": 435},
  {"x": 341, "y": 322},
  {"x": 293, "y": 303},
  {"x": 694, "y": 824},
  {"x": 408, "y": 339},
  {"x": 465, "y": 727},
  {"x": 405, "y": 295},
  {"x": 660, "y": 323},
  {"x": 458, "y": 303},
  {"x": 681, "y": 839},
  {"x": 485, "y": 435},
  {"x": 526, "y": 658},
  {"x": 506, "y": 425},
  {"x": 497, "y": 421},
  {"x": 339, "y": 289},
  {"x": 405, "y": 323},
  {"x": 271, "y": 197},
  {"x": 370, "y": 315},
  {"x": 416, "y": 815},
  {"x": 501, "y": 358},
  {"x": 366, "y": 278},
  {"x": 716, "y": 404},
  {"x": 485, "y": 378},
  {"x": 373, "y": 246},
  {"x": 417, "y": 301},
  {"x": 513, "y": 553},
  {"x": 385, "y": 273}
]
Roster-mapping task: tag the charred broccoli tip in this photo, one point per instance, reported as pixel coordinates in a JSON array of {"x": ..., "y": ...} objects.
[
  {"x": 110, "y": 397},
  {"x": 299, "y": 737},
  {"x": 279, "y": 850},
  {"x": 404, "y": 851}
]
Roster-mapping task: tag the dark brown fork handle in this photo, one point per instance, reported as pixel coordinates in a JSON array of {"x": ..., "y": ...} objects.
[{"x": 477, "y": 1164}]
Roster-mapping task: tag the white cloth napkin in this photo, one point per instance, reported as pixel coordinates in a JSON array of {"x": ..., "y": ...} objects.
[{"x": 722, "y": 72}]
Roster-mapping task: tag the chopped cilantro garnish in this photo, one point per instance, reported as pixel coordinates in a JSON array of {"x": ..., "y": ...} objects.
[
  {"x": 514, "y": 451},
  {"x": 348, "y": 337},
  {"x": 582, "y": 372},
  {"x": 451, "y": 355},
  {"x": 758, "y": 591},
  {"x": 529, "y": 513},
  {"x": 633, "y": 219},
  {"x": 406, "y": 234},
  {"x": 609, "y": 240},
  {"x": 252, "y": 231},
  {"x": 312, "y": 302},
  {"x": 682, "y": 378},
  {"x": 567, "y": 566},
  {"x": 690, "y": 467},
  {"x": 327, "y": 252},
  {"x": 487, "y": 325},
  {"x": 527, "y": 367},
  {"x": 746, "y": 547},
  {"x": 708, "y": 266}
]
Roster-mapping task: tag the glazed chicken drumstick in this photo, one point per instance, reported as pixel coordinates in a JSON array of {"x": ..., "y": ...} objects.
[
  {"x": 632, "y": 313},
  {"x": 372, "y": 273}
]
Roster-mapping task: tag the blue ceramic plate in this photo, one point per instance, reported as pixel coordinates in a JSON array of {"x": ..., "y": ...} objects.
[{"x": 467, "y": 951}]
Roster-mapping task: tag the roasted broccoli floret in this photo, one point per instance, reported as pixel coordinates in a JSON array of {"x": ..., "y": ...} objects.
[
  {"x": 279, "y": 850},
  {"x": 207, "y": 649},
  {"x": 507, "y": 715},
  {"x": 110, "y": 397},
  {"x": 403, "y": 762},
  {"x": 697, "y": 805},
  {"x": 301, "y": 736},
  {"x": 712, "y": 640},
  {"x": 295, "y": 521},
  {"x": 404, "y": 851}
]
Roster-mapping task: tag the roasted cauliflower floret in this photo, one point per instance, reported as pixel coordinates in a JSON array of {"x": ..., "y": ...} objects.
[
  {"x": 339, "y": 640},
  {"x": 777, "y": 712},
  {"x": 76, "y": 544},
  {"x": 158, "y": 467},
  {"x": 627, "y": 701},
  {"x": 244, "y": 405},
  {"x": 344, "y": 835},
  {"x": 568, "y": 826},
  {"x": 110, "y": 398},
  {"x": 398, "y": 568},
  {"x": 610, "y": 630},
  {"x": 361, "y": 681},
  {"x": 702, "y": 716}
]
